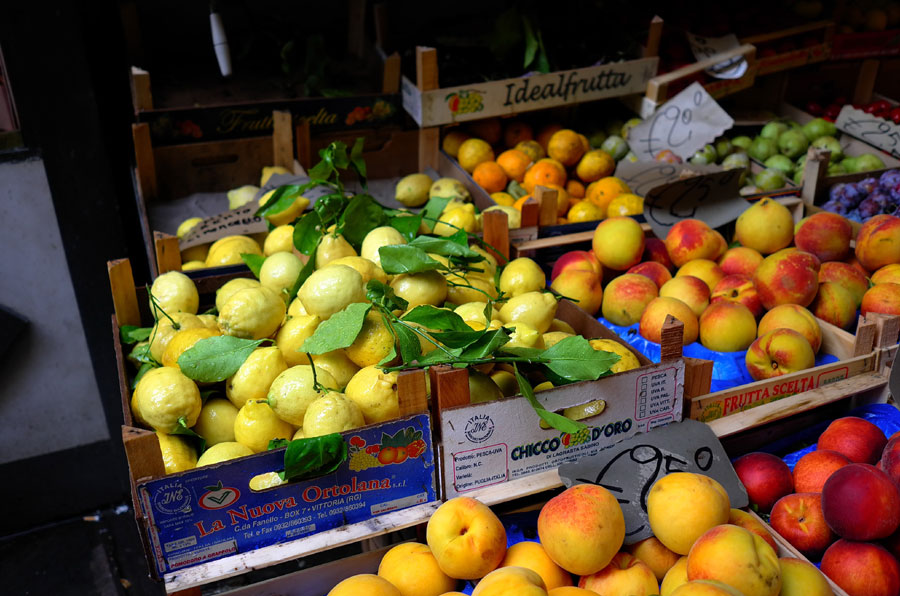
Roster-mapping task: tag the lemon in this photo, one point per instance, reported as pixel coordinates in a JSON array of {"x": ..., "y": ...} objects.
[
  {"x": 332, "y": 247},
  {"x": 228, "y": 250},
  {"x": 482, "y": 388},
  {"x": 195, "y": 253},
  {"x": 428, "y": 287},
  {"x": 332, "y": 413},
  {"x": 296, "y": 308},
  {"x": 412, "y": 190},
  {"x": 299, "y": 434},
  {"x": 535, "y": 309},
  {"x": 223, "y": 452},
  {"x": 473, "y": 312},
  {"x": 584, "y": 210},
  {"x": 373, "y": 343},
  {"x": 558, "y": 325},
  {"x": 543, "y": 386},
  {"x": 375, "y": 392},
  {"x": 230, "y": 288},
  {"x": 513, "y": 216},
  {"x": 453, "y": 204},
  {"x": 238, "y": 197},
  {"x": 184, "y": 340},
  {"x": 269, "y": 171},
  {"x": 177, "y": 454},
  {"x": 216, "y": 421},
  {"x": 186, "y": 226},
  {"x": 338, "y": 364},
  {"x": 281, "y": 239},
  {"x": 506, "y": 381},
  {"x": 374, "y": 240},
  {"x": 452, "y": 141},
  {"x": 252, "y": 380},
  {"x": 253, "y": 313},
  {"x": 520, "y": 276},
  {"x": 366, "y": 268},
  {"x": 554, "y": 337},
  {"x": 265, "y": 481},
  {"x": 461, "y": 218},
  {"x": 293, "y": 391},
  {"x": 256, "y": 424},
  {"x": 193, "y": 265},
  {"x": 470, "y": 288},
  {"x": 210, "y": 322},
  {"x": 524, "y": 336},
  {"x": 473, "y": 152},
  {"x": 503, "y": 198},
  {"x": 288, "y": 215},
  {"x": 166, "y": 328},
  {"x": 174, "y": 292},
  {"x": 279, "y": 272},
  {"x": 449, "y": 188},
  {"x": 163, "y": 395},
  {"x": 488, "y": 265},
  {"x": 292, "y": 334},
  {"x": 624, "y": 205},
  {"x": 627, "y": 361},
  {"x": 331, "y": 289}
]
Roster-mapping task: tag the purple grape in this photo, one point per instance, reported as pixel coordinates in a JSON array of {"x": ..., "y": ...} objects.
[
  {"x": 889, "y": 179},
  {"x": 854, "y": 193},
  {"x": 868, "y": 185},
  {"x": 895, "y": 194},
  {"x": 869, "y": 208},
  {"x": 836, "y": 190},
  {"x": 854, "y": 215},
  {"x": 881, "y": 198},
  {"x": 834, "y": 206}
]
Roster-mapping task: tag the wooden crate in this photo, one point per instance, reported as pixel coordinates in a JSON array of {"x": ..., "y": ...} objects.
[
  {"x": 817, "y": 183},
  {"x": 770, "y": 62}
]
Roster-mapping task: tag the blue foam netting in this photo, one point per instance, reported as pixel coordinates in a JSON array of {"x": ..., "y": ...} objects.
[{"x": 729, "y": 369}]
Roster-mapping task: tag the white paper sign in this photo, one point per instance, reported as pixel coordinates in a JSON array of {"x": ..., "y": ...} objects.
[
  {"x": 875, "y": 131},
  {"x": 240, "y": 221},
  {"x": 643, "y": 176},
  {"x": 683, "y": 124},
  {"x": 707, "y": 47}
]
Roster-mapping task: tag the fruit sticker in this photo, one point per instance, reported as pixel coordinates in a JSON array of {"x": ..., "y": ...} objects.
[
  {"x": 393, "y": 449},
  {"x": 465, "y": 101}
]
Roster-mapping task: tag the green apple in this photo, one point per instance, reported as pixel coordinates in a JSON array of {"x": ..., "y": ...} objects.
[
  {"x": 829, "y": 144},
  {"x": 773, "y": 130},
  {"x": 849, "y": 164},
  {"x": 868, "y": 162},
  {"x": 703, "y": 156},
  {"x": 782, "y": 163},
  {"x": 724, "y": 148},
  {"x": 615, "y": 146},
  {"x": 762, "y": 148},
  {"x": 742, "y": 142},
  {"x": 792, "y": 143},
  {"x": 736, "y": 161},
  {"x": 769, "y": 179},
  {"x": 819, "y": 127}
]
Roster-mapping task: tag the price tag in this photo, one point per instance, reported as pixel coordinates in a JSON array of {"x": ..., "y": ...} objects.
[
  {"x": 240, "y": 221},
  {"x": 707, "y": 47},
  {"x": 643, "y": 176},
  {"x": 683, "y": 124},
  {"x": 629, "y": 469},
  {"x": 875, "y": 131}
]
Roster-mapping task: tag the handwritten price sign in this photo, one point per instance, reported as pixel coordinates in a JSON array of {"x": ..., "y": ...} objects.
[
  {"x": 875, "y": 131},
  {"x": 643, "y": 176},
  {"x": 683, "y": 124},
  {"x": 629, "y": 469}
]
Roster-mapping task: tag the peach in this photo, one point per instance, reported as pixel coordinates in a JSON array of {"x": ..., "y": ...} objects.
[
  {"x": 626, "y": 297},
  {"x": 847, "y": 276},
  {"x": 365, "y": 583},
  {"x": 626, "y": 575},
  {"x": 854, "y": 262},
  {"x": 887, "y": 274},
  {"x": 412, "y": 569},
  {"x": 727, "y": 327},
  {"x": 787, "y": 277},
  {"x": 883, "y": 298},
  {"x": 576, "y": 259},
  {"x": 740, "y": 260},
  {"x": 531, "y": 555},
  {"x": 691, "y": 239},
  {"x": 738, "y": 288},
  {"x": 862, "y": 569},
  {"x": 510, "y": 580},
  {"x": 655, "y": 272},
  {"x": 766, "y": 478},
  {"x": 878, "y": 242},
  {"x": 792, "y": 316},
  {"x": 799, "y": 519},
  {"x": 675, "y": 577},
  {"x": 860, "y": 502},
  {"x": 778, "y": 352},
  {"x": 570, "y": 591},
  {"x": 682, "y": 506},
  {"x": 655, "y": 316},
  {"x": 705, "y": 269},
  {"x": 582, "y": 287},
  {"x": 833, "y": 304},
  {"x": 751, "y": 566},
  {"x": 826, "y": 235},
  {"x": 618, "y": 243},
  {"x": 752, "y": 524},
  {"x": 890, "y": 459},
  {"x": 801, "y": 578},
  {"x": 813, "y": 469},
  {"x": 691, "y": 290},
  {"x": 655, "y": 250},
  {"x": 582, "y": 528},
  {"x": 858, "y": 439},
  {"x": 655, "y": 555},
  {"x": 766, "y": 226},
  {"x": 703, "y": 587},
  {"x": 467, "y": 539}
]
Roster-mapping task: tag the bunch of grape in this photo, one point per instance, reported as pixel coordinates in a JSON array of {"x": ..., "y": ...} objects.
[
  {"x": 361, "y": 460},
  {"x": 469, "y": 103},
  {"x": 582, "y": 436},
  {"x": 864, "y": 199}
]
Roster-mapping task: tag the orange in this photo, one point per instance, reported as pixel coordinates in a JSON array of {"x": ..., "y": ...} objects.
[
  {"x": 605, "y": 190},
  {"x": 517, "y": 131},
  {"x": 473, "y": 152},
  {"x": 521, "y": 201},
  {"x": 514, "y": 163},
  {"x": 584, "y": 211},
  {"x": 562, "y": 198},
  {"x": 565, "y": 147},
  {"x": 532, "y": 149},
  {"x": 488, "y": 129},
  {"x": 452, "y": 141},
  {"x": 584, "y": 142},
  {"x": 542, "y": 173},
  {"x": 490, "y": 176},
  {"x": 595, "y": 164},
  {"x": 575, "y": 189},
  {"x": 548, "y": 131}
]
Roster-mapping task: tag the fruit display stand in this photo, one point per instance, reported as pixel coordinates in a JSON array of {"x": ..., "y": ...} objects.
[
  {"x": 772, "y": 55},
  {"x": 817, "y": 183}
]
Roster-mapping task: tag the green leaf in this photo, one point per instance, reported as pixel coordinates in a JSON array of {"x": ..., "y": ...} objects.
[
  {"x": 357, "y": 162},
  {"x": 458, "y": 339},
  {"x": 433, "y": 209},
  {"x": 543, "y": 62},
  {"x": 196, "y": 441},
  {"x": 338, "y": 331},
  {"x": 436, "y": 318},
  {"x": 307, "y": 270},
  {"x": 131, "y": 333},
  {"x": 214, "y": 359},
  {"x": 205, "y": 395},
  {"x": 314, "y": 456},
  {"x": 383, "y": 295},
  {"x": 405, "y": 258},
  {"x": 341, "y": 161},
  {"x": 447, "y": 247},
  {"x": 307, "y": 233},
  {"x": 281, "y": 199},
  {"x": 277, "y": 444},
  {"x": 141, "y": 353},
  {"x": 574, "y": 359},
  {"x": 325, "y": 168},
  {"x": 254, "y": 262},
  {"x": 526, "y": 353},
  {"x": 560, "y": 423},
  {"x": 531, "y": 42},
  {"x": 410, "y": 348},
  {"x": 407, "y": 225},
  {"x": 330, "y": 208},
  {"x": 362, "y": 215},
  {"x": 440, "y": 357},
  {"x": 487, "y": 345},
  {"x": 393, "y": 353},
  {"x": 145, "y": 366},
  {"x": 516, "y": 190}
]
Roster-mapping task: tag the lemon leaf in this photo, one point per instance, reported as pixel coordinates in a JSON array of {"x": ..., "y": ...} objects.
[
  {"x": 516, "y": 190},
  {"x": 436, "y": 318},
  {"x": 131, "y": 333},
  {"x": 447, "y": 247},
  {"x": 560, "y": 423},
  {"x": 307, "y": 233},
  {"x": 458, "y": 339},
  {"x": 197, "y": 442},
  {"x": 307, "y": 270},
  {"x": 362, "y": 215},
  {"x": 254, "y": 262},
  {"x": 281, "y": 199},
  {"x": 338, "y": 331},
  {"x": 410, "y": 348},
  {"x": 393, "y": 353},
  {"x": 314, "y": 456},
  {"x": 145, "y": 366},
  {"x": 383, "y": 295},
  {"x": 141, "y": 353},
  {"x": 574, "y": 359},
  {"x": 357, "y": 163},
  {"x": 214, "y": 359},
  {"x": 487, "y": 345},
  {"x": 407, "y": 225},
  {"x": 405, "y": 258},
  {"x": 433, "y": 209},
  {"x": 277, "y": 444}
]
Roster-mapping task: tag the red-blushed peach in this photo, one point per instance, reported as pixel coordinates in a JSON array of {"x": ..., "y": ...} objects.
[
  {"x": 655, "y": 250},
  {"x": 705, "y": 269},
  {"x": 778, "y": 352},
  {"x": 703, "y": 587},
  {"x": 466, "y": 538},
  {"x": 626, "y": 297},
  {"x": 751, "y": 566},
  {"x": 727, "y": 327},
  {"x": 740, "y": 260},
  {"x": 655, "y": 316},
  {"x": 766, "y": 478},
  {"x": 813, "y": 469},
  {"x": 682, "y": 506},
  {"x": 510, "y": 580},
  {"x": 365, "y": 583},
  {"x": 890, "y": 459},
  {"x": 412, "y": 569},
  {"x": 723, "y": 246},
  {"x": 887, "y": 274},
  {"x": 618, "y": 243},
  {"x": 862, "y": 569},
  {"x": 583, "y": 287},
  {"x": 826, "y": 235},
  {"x": 570, "y": 591},
  {"x": 625, "y": 574},
  {"x": 744, "y": 520},
  {"x": 883, "y": 298},
  {"x": 878, "y": 242},
  {"x": 675, "y": 577},
  {"x": 799, "y": 519},
  {"x": 787, "y": 277},
  {"x": 854, "y": 262},
  {"x": 576, "y": 259},
  {"x": 766, "y": 226},
  {"x": 738, "y": 288},
  {"x": 861, "y": 502},
  {"x": 801, "y": 578},
  {"x": 691, "y": 290},
  {"x": 833, "y": 304},
  {"x": 582, "y": 528},
  {"x": 691, "y": 239},
  {"x": 892, "y": 544},
  {"x": 531, "y": 555},
  {"x": 655, "y": 554},
  {"x": 655, "y": 272},
  {"x": 847, "y": 276},
  {"x": 792, "y": 316},
  {"x": 858, "y": 439}
]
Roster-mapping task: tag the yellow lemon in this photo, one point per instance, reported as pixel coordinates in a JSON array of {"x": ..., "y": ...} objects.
[
  {"x": 469, "y": 288},
  {"x": 253, "y": 313},
  {"x": 195, "y": 253},
  {"x": 296, "y": 308},
  {"x": 216, "y": 421},
  {"x": 554, "y": 337},
  {"x": 514, "y": 216},
  {"x": 281, "y": 239},
  {"x": 543, "y": 386},
  {"x": 193, "y": 265},
  {"x": 228, "y": 250},
  {"x": 164, "y": 395},
  {"x": 177, "y": 454},
  {"x": 238, "y": 197},
  {"x": 292, "y": 334},
  {"x": 288, "y": 215},
  {"x": 428, "y": 287},
  {"x": 366, "y": 268},
  {"x": 375, "y": 392},
  {"x": 210, "y": 322},
  {"x": 252, "y": 380},
  {"x": 412, "y": 190},
  {"x": 558, "y": 325},
  {"x": 265, "y": 481},
  {"x": 294, "y": 389},
  {"x": 299, "y": 434},
  {"x": 522, "y": 275},
  {"x": 338, "y": 364},
  {"x": 625, "y": 204},
  {"x": 223, "y": 452},
  {"x": 374, "y": 240},
  {"x": 627, "y": 360},
  {"x": 174, "y": 292},
  {"x": 535, "y": 309},
  {"x": 461, "y": 218},
  {"x": 473, "y": 152},
  {"x": 474, "y": 312},
  {"x": 373, "y": 343},
  {"x": 506, "y": 381},
  {"x": 482, "y": 388},
  {"x": 332, "y": 247},
  {"x": 452, "y": 141},
  {"x": 595, "y": 164},
  {"x": 269, "y": 171},
  {"x": 187, "y": 225},
  {"x": 165, "y": 329},
  {"x": 524, "y": 336},
  {"x": 184, "y": 340},
  {"x": 230, "y": 288},
  {"x": 488, "y": 265},
  {"x": 584, "y": 211},
  {"x": 449, "y": 188},
  {"x": 279, "y": 272},
  {"x": 256, "y": 424},
  {"x": 332, "y": 413},
  {"x": 331, "y": 289},
  {"x": 503, "y": 198}
]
